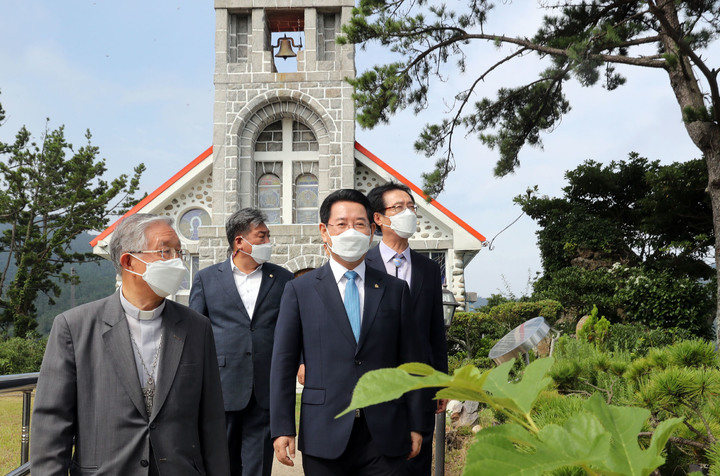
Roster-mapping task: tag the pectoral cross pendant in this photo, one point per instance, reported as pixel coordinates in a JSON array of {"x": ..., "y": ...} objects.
[{"x": 149, "y": 394}]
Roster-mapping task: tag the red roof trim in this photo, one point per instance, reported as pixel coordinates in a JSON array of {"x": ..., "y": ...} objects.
[
  {"x": 417, "y": 190},
  {"x": 153, "y": 195}
]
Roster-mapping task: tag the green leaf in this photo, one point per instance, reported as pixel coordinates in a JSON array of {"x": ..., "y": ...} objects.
[
  {"x": 623, "y": 424},
  {"x": 383, "y": 385},
  {"x": 519, "y": 396},
  {"x": 511, "y": 450}
]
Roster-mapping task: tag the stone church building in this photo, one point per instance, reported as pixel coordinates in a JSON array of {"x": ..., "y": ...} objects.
[{"x": 283, "y": 141}]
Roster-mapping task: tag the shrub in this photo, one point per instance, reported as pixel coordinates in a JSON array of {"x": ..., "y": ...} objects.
[
  {"x": 18, "y": 355},
  {"x": 661, "y": 300},
  {"x": 511, "y": 314}
]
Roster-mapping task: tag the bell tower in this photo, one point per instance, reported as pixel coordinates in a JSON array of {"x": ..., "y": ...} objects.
[{"x": 284, "y": 119}]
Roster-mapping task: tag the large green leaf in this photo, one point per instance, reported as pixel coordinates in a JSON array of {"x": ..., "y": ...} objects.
[
  {"x": 623, "y": 424},
  {"x": 512, "y": 450},
  {"x": 384, "y": 385},
  {"x": 519, "y": 396},
  {"x": 603, "y": 440}
]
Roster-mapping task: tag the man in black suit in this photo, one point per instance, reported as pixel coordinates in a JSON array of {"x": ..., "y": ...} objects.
[
  {"x": 345, "y": 319},
  {"x": 241, "y": 296},
  {"x": 395, "y": 215}
]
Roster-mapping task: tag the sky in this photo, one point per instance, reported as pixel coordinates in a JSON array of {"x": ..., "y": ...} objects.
[{"x": 139, "y": 76}]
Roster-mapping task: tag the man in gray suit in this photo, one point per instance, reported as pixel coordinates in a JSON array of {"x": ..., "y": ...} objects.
[
  {"x": 130, "y": 381},
  {"x": 241, "y": 296}
]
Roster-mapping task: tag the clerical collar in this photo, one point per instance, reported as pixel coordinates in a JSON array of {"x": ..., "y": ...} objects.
[{"x": 132, "y": 311}]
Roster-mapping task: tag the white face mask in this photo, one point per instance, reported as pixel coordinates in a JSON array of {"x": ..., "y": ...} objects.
[
  {"x": 404, "y": 223},
  {"x": 260, "y": 253},
  {"x": 163, "y": 277},
  {"x": 350, "y": 245}
]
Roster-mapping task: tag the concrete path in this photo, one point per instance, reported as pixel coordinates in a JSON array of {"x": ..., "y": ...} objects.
[{"x": 279, "y": 469}]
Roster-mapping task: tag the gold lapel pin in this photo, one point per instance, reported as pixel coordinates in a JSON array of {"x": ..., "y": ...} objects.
[
  {"x": 271, "y": 276},
  {"x": 376, "y": 286}
]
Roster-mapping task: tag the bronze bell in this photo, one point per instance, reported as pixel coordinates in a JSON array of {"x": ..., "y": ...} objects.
[{"x": 285, "y": 50}]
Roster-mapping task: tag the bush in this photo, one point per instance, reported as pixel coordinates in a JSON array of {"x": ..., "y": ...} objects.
[
  {"x": 637, "y": 339},
  {"x": 19, "y": 356},
  {"x": 511, "y": 314},
  {"x": 661, "y": 300}
]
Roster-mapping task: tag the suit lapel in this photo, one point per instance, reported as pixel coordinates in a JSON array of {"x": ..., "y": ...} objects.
[
  {"x": 374, "y": 290},
  {"x": 268, "y": 280},
  {"x": 327, "y": 288},
  {"x": 227, "y": 281},
  {"x": 116, "y": 337},
  {"x": 174, "y": 334}
]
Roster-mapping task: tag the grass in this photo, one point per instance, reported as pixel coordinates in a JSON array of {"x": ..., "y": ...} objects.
[{"x": 10, "y": 431}]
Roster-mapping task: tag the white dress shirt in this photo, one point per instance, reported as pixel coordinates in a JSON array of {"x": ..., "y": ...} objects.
[
  {"x": 405, "y": 270},
  {"x": 146, "y": 329},
  {"x": 248, "y": 286},
  {"x": 339, "y": 271}
]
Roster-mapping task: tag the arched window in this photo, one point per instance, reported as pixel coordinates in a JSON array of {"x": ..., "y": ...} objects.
[
  {"x": 306, "y": 199},
  {"x": 270, "y": 197}
]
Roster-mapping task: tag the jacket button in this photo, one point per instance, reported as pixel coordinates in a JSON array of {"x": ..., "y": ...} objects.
[
  {"x": 358, "y": 362},
  {"x": 152, "y": 425},
  {"x": 144, "y": 463},
  {"x": 248, "y": 353}
]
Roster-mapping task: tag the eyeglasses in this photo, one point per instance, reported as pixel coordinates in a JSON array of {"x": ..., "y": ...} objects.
[
  {"x": 360, "y": 226},
  {"x": 402, "y": 208},
  {"x": 168, "y": 253}
]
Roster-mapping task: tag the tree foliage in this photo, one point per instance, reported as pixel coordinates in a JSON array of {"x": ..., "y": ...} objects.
[
  {"x": 49, "y": 193},
  {"x": 633, "y": 238},
  {"x": 634, "y": 212},
  {"x": 581, "y": 41}
]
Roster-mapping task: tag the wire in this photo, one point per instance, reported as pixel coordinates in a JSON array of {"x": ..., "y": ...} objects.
[{"x": 489, "y": 244}]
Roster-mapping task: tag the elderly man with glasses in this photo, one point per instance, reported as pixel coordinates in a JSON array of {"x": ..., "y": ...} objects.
[{"x": 129, "y": 384}]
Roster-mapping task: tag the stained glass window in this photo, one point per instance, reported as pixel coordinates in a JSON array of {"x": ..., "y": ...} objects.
[
  {"x": 306, "y": 199},
  {"x": 270, "y": 197},
  {"x": 191, "y": 221}
]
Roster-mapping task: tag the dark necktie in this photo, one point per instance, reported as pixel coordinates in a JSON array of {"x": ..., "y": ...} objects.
[{"x": 352, "y": 303}]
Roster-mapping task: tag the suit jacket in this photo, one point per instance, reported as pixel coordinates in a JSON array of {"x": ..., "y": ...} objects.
[
  {"x": 244, "y": 346},
  {"x": 426, "y": 311},
  {"x": 89, "y": 397},
  {"x": 313, "y": 321}
]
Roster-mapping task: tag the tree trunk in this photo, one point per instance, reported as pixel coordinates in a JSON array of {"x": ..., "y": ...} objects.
[{"x": 704, "y": 134}]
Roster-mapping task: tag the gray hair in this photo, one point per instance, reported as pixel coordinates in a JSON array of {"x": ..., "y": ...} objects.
[
  {"x": 129, "y": 235},
  {"x": 242, "y": 221}
]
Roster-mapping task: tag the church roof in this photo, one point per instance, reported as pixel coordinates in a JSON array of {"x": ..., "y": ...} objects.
[{"x": 366, "y": 157}]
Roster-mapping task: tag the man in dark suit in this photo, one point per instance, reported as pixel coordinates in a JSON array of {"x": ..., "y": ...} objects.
[
  {"x": 241, "y": 296},
  {"x": 130, "y": 382},
  {"x": 345, "y": 319},
  {"x": 395, "y": 215}
]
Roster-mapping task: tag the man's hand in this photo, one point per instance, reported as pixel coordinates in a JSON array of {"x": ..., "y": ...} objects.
[
  {"x": 285, "y": 445},
  {"x": 301, "y": 374},
  {"x": 416, "y": 439},
  {"x": 441, "y": 405}
]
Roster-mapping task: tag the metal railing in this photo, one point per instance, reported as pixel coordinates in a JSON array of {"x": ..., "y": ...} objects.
[{"x": 24, "y": 383}]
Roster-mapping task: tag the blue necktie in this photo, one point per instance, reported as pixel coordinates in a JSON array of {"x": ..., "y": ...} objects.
[
  {"x": 352, "y": 303},
  {"x": 398, "y": 261}
]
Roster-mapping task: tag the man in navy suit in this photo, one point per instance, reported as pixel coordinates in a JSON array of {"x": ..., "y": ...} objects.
[
  {"x": 395, "y": 214},
  {"x": 241, "y": 296},
  {"x": 345, "y": 319}
]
